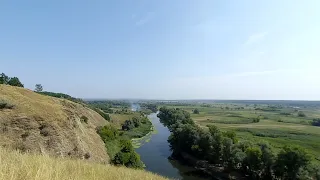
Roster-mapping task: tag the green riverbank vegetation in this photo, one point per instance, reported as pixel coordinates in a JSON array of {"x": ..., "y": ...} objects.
[
  {"x": 222, "y": 149},
  {"x": 118, "y": 141}
]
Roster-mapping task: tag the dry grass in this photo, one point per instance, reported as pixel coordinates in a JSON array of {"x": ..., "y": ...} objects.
[
  {"x": 18, "y": 166},
  {"x": 48, "y": 125}
]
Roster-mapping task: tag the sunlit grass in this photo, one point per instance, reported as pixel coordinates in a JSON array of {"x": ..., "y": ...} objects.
[{"x": 17, "y": 166}]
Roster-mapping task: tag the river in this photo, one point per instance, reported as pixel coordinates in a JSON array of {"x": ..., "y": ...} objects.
[{"x": 156, "y": 151}]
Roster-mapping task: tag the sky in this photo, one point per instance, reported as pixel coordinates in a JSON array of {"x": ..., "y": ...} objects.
[{"x": 152, "y": 49}]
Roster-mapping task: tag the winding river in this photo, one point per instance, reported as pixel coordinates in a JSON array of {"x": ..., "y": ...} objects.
[{"x": 155, "y": 152}]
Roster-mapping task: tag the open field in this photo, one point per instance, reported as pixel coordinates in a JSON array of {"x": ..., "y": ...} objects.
[{"x": 278, "y": 124}]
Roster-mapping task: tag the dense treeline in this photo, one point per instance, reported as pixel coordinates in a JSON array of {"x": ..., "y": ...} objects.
[
  {"x": 103, "y": 105},
  {"x": 109, "y": 103},
  {"x": 98, "y": 108},
  {"x": 223, "y": 149},
  {"x": 61, "y": 95},
  {"x": 12, "y": 81}
]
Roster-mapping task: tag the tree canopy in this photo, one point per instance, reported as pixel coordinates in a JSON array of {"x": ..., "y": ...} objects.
[
  {"x": 38, "y": 88},
  {"x": 12, "y": 81}
]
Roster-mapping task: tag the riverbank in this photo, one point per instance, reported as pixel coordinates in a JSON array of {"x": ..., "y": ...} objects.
[
  {"x": 156, "y": 152},
  {"x": 205, "y": 168},
  {"x": 138, "y": 142}
]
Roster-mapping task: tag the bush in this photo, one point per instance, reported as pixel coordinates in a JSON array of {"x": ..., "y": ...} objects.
[
  {"x": 5, "y": 105},
  {"x": 128, "y": 125},
  {"x": 196, "y": 111},
  {"x": 87, "y": 155},
  {"x": 108, "y": 133},
  {"x": 127, "y": 156},
  {"x": 301, "y": 114},
  {"x": 84, "y": 119},
  {"x": 256, "y": 120},
  {"x": 15, "y": 82},
  {"x": 12, "y": 81},
  {"x": 316, "y": 122},
  {"x": 136, "y": 121}
]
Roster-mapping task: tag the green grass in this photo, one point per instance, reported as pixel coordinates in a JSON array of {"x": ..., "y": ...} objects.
[
  {"x": 138, "y": 132},
  {"x": 113, "y": 146},
  {"x": 276, "y": 128}
]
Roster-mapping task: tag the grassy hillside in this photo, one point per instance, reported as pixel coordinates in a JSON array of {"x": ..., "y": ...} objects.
[
  {"x": 42, "y": 124},
  {"x": 17, "y": 166}
]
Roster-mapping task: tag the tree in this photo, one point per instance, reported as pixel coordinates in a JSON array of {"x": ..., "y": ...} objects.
[
  {"x": 203, "y": 143},
  {"x": 136, "y": 121},
  {"x": 196, "y": 111},
  {"x": 38, "y": 88},
  {"x": 301, "y": 114},
  {"x": 127, "y": 156},
  {"x": 4, "y": 79},
  {"x": 15, "y": 82},
  {"x": 232, "y": 135},
  {"x": 128, "y": 125},
  {"x": 252, "y": 163},
  {"x": 316, "y": 122},
  {"x": 227, "y": 152},
  {"x": 290, "y": 161},
  {"x": 267, "y": 159},
  {"x": 216, "y": 153}
]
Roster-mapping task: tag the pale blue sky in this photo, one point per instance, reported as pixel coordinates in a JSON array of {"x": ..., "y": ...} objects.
[{"x": 182, "y": 49}]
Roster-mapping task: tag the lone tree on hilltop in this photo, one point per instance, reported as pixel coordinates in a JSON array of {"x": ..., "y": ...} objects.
[{"x": 38, "y": 88}]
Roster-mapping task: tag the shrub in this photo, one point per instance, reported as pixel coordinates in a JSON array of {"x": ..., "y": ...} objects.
[
  {"x": 87, "y": 155},
  {"x": 127, "y": 156},
  {"x": 196, "y": 111},
  {"x": 128, "y": 125},
  {"x": 108, "y": 133},
  {"x": 316, "y": 122},
  {"x": 136, "y": 121},
  {"x": 84, "y": 119},
  {"x": 256, "y": 120},
  {"x": 301, "y": 114},
  {"x": 5, "y": 105},
  {"x": 15, "y": 82}
]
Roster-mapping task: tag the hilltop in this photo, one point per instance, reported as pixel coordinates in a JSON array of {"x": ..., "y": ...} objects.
[{"x": 35, "y": 123}]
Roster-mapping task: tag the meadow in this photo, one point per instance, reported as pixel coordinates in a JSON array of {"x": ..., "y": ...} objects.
[{"x": 279, "y": 124}]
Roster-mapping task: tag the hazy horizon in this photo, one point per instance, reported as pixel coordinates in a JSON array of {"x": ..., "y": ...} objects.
[{"x": 227, "y": 50}]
